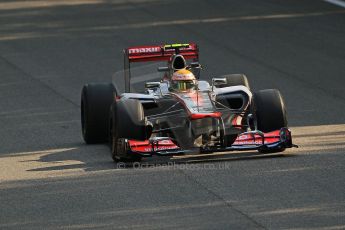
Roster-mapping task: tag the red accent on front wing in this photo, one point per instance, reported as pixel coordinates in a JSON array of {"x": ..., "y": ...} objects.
[
  {"x": 242, "y": 139},
  {"x": 255, "y": 139},
  {"x": 147, "y": 147}
]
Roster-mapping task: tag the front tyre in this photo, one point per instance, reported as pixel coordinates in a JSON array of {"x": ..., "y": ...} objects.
[
  {"x": 270, "y": 112},
  {"x": 127, "y": 121}
]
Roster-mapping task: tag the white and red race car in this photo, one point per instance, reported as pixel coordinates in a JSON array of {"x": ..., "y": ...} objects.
[{"x": 171, "y": 117}]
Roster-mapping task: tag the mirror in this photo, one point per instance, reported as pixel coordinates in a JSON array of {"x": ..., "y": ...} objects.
[
  {"x": 218, "y": 81},
  {"x": 195, "y": 65},
  {"x": 152, "y": 85},
  {"x": 163, "y": 69}
]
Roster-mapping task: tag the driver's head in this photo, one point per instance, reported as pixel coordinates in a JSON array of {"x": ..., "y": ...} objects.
[{"x": 183, "y": 80}]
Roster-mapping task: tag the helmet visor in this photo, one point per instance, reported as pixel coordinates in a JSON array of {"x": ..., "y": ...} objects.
[{"x": 183, "y": 85}]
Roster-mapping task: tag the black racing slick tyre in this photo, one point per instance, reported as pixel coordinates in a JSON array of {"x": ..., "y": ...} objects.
[
  {"x": 235, "y": 79},
  {"x": 96, "y": 99},
  {"x": 270, "y": 113},
  {"x": 131, "y": 120},
  {"x": 269, "y": 110},
  {"x": 127, "y": 121}
]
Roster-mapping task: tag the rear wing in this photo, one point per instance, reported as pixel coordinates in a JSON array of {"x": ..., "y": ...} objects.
[
  {"x": 156, "y": 53},
  {"x": 161, "y": 52}
]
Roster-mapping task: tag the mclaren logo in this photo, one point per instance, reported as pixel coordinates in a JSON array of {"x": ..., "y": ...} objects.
[{"x": 144, "y": 50}]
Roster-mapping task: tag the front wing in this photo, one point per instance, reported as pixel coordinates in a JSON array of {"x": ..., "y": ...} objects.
[{"x": 253, "y": 140}]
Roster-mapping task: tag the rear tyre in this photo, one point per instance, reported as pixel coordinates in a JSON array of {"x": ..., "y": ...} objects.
[
  {"x": 96, "y": 99},
  {"x": 234, "y": 80},
  {"x": 270, "y": 112},
  {"x": 127, "y": 121}
]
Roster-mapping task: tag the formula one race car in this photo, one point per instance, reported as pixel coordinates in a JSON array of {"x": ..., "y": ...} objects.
[{"x": 181, "y": 114}]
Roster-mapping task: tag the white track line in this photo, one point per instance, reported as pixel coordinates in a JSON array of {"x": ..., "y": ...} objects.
[{"x": 336, "y": 2}]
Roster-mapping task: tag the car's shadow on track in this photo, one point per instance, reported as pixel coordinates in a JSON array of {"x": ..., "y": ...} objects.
[
  {"x": 78, "y": 156},
  {"x": 97, "y": 158}
]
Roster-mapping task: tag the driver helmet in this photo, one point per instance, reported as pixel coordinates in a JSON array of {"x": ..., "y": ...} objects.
[{"x": 183, "y": 80}]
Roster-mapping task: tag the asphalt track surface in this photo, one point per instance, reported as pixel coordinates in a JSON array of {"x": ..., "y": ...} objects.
[{"x": 50, "y": 179}]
